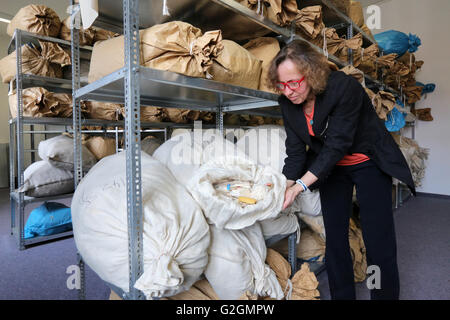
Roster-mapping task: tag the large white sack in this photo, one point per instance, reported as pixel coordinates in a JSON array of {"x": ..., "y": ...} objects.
[
  {"x": 59, "y": 152},
  {"x": 175, "y": 233},
  {"x": 237, "y": 264},
  {"x": 285, "y": 223}
]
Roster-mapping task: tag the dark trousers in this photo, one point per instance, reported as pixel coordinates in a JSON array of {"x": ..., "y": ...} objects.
[{"x": 374, "y": 195}]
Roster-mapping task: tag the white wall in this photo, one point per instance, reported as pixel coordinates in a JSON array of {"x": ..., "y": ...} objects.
[
  {"x": 4, "y": 105},
  {"x": 430, "y": 21}
]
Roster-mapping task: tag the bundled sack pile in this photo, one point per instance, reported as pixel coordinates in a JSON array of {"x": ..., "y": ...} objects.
[
  {"x": 39, "y": 102},
  {"x": 415, "y": 157},
  {"x": 180, "y": 47},
  {"x": 53, "y": 175},
  {"x": 237, "y": 197}
]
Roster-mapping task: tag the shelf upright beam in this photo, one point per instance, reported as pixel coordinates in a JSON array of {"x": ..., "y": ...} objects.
[
  {"x": 19, "y": 136},
  {"x": 219, "y": 114},
  {"x": 133, "y": 144},
  {"x": 76, "y": 111}
]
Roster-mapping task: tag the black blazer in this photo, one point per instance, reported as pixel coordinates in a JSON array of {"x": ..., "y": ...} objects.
[{"x": 344, "y": 122}]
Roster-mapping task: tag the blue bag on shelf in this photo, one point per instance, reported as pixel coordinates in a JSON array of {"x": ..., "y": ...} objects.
[
  {"x": 395, "y": 120},
  {"x": 392, "y": 41},
  {"x": 427, "y": 88},
  {"x": 47, "y": 219}
]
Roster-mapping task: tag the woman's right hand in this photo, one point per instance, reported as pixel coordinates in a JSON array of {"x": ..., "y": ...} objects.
[{"x": 290, "y": 194}]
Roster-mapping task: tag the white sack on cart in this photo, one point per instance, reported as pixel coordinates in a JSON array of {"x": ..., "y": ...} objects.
[
  {"x": 237, "y": 264},
  {"x": 175, "y": 233}
]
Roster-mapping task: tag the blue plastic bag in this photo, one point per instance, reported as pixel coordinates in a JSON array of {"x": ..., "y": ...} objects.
[
  {"x": 47, "y": 219},
  {"x": 395, "y": 120},
  {"x": 392, "y": 41},
  {"x": 427, "y": 88}
]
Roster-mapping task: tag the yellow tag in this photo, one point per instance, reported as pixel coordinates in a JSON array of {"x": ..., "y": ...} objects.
[{"x": 247, "y": 200}]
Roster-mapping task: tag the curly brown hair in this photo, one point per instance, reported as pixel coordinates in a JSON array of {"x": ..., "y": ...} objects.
[{"x": 311, "y": 63}]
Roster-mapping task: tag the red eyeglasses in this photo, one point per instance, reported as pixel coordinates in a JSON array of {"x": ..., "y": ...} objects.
[{"x": 293, "y": 85}]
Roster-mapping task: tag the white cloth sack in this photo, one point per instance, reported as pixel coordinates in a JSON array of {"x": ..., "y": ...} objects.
[
  {"x": 308, "y": 203},
  {"x": 175, "y": 233},
  {"x": 237, "y": 264},
  {"x": 59, "y": 152},
  {"x": 285, "y": 223},
  {"x": 41, "y": 179}
]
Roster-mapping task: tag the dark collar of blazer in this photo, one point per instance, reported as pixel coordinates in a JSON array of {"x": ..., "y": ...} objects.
[{"x": 325, "y": 102}]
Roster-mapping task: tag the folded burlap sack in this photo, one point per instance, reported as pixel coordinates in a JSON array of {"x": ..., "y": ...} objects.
[
  {"x": 37, "y": 19},
  {"x": 47, "y": 60},
  {"x": 302, "y": 286},
  {"x": 86, "y": 35},
  {"x": 264, "y": 49}
]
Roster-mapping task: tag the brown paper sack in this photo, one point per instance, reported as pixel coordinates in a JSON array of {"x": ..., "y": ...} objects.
[
  {"x": 234, "y": 119},
  {"x": 86, "y": 35},
  {"x": 355, "y": 13},
  {"x": 37, "y": 19},
  {"x": 367, "y": 31},
  {"x": 103, "y": 110},
  {"x": 413, "y": 93},
  {"x": 153, "y": 114},
  {"x": 46, "y": 61},
  {"x": 304, "y": 283},
  {"x": 342, "y": 5},
  {"x": 355, "y": 44},
  {"x": 101, "y": 147},
  {"x": 309, "y": 22},
  {"x": 383, "y": 103},
  {"x": 60, "y": 104},
  {"x": 102, "y": 34},
  {"x": 236, "y": 66},
  {"x": 107, "y": 57},
  {"x": 358, "y": 252},
  {"x": 180, "y": 47},
  {"x": 355, "y": 73},
  {"x": 368, "y": 60},
  {"x": 423, "y": 114},
  {"x": 182, "y": 115},
  {"x": 33, "y": 103},
  {"x": 208, "y": 117},
  {"x": 264, "y": 49}
]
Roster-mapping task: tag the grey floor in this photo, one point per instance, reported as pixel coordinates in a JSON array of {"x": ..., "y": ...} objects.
[{"x": 423, "y": 239}]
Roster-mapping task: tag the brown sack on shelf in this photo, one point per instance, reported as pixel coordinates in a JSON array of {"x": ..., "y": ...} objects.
[
  {"x": 152, "y": 114},
  {"x": 236, "y": 66},
  {"x": 44, "y": 61},
  {"x": 358, "y": 252},
  {"x": 37, "y": 19},
  {"x": 333, "y": 42},
  {"x": 86, "y": 35},
  {"x": 423, "y": 114},
  {"x": 387, "y": 60},
  {"x": 60, "y": 104},
  {"x": 234, "y": 119},
  {"x": 101, "y": 147},
  {"x": 304, "y": 282},
  {"x": 264, "y": 49},
  {"x": 113, "y": 49},
  {"x": 281, "y": 12},
  {"x": 383, "y": 103},
  {"x": 103, "y": 110},
  {"x": 368, "y": 60},
  {"x": 182, "y": 115},
  {"x": 309, "y": 22},
  {"x": 355, "y": 13},
  {"x": 367, "y": 31},
  {"x": 102, "y": 34},
  {"x": 355, "y": 44},
  {"x": 33, "y": 103},
  {"x": 355, "y": 73},
  {"x": 180, "y": 47},
  {"x": 207, "y": 117},
  {"x": 413, "y": 93}
]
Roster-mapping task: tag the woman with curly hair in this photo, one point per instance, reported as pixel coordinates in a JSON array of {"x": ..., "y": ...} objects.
[{"x": 335, "y": 142}]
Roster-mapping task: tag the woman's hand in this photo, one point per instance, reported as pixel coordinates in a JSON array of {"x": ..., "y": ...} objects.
[{"x": 290, "y": 195}]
